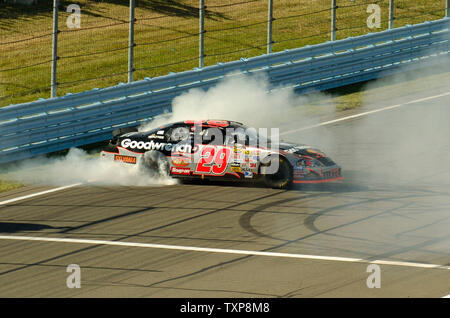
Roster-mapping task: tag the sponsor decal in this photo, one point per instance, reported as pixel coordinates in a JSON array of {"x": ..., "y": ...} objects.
[
  {"x": 235, "y": 169},
  {"x": 160, "y": 132},
  {"x": 154, "y": 145},
  {"x": 126, "y": 159},
  {"x": 251, "y": 158},
  {"x": 238, "y": 157},
  {"x": 238, "y": 148},
  {"x": 252, "y": 151},
  {"x": 248, "y": 174},
  {"x": 182, "y": 171},
  {"x": 252, "y": 165},
  {"x": 155, "y": 136},
  {"x": 181, "y": 161},
  {"x": 332, "y": 173}
]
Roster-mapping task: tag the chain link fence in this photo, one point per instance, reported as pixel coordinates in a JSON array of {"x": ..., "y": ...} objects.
[{"x": 94, "y": 47}]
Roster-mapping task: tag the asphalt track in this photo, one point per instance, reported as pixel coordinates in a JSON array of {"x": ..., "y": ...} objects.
[{"x": 194, "y": 240}]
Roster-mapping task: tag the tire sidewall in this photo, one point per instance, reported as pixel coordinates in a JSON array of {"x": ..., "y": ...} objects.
[
  {"x": 156, "y": 162},
  {"x": 282, "y": 183}
]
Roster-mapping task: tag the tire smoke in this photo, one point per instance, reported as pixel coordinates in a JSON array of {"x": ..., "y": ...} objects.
[{"x": 78, "y": 166}]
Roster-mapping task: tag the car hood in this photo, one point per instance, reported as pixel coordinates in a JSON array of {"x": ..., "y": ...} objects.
[
  {"x": 301, "y": 149},
  {"x": 306, "y": 151}
]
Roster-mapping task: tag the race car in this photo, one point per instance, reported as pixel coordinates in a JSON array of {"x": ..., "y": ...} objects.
[{"x": 220, "y": 149}]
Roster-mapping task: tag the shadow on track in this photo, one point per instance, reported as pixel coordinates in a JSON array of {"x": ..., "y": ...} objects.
[
  {"x": 12, "y": 227},
  {"x": 334, "y": 187}
]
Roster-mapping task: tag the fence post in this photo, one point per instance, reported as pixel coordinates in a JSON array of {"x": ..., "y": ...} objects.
[
  {"x": 131, "y": 43},
  {"x": 201, "y": 33},
  {"x": 333, "y": 20},
  {"x": 54, "y": 48},
  {"x": 391, "y": 14},
  {"x": 447, "y": 11},
  {"x": 269, "y": 27}
]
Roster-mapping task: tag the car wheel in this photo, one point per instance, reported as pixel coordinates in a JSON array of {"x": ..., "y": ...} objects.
[
  {"x": 156, "y": 162},
  {"x": 282, "y": 178}
]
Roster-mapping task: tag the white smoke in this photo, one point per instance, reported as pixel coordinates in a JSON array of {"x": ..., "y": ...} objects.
[
  {"x": 243, "y": 98},
  {"x": 79, "y": 167},
  {"x": 396, "y": 147}
]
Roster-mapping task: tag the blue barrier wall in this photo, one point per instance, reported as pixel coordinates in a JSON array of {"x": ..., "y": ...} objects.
[{"x": 49, "y": 125}]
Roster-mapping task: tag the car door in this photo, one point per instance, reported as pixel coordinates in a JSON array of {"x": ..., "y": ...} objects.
[{"x": 212, "y": 155}]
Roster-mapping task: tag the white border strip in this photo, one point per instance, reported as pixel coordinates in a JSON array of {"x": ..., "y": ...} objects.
[
  {"x": 366, "y": 113},
  {"x": 221, "y": 250},
  {"x": 38, "y": 193}
]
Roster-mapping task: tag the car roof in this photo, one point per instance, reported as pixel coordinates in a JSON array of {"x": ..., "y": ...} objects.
[
  {"x": 219, "y": 123},
  {"x": 207, "y": 122}
]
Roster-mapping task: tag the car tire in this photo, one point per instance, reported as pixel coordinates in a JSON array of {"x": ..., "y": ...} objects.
[
  {"x": 156, "y": 162},
  {"x": 282, "y": 178}
]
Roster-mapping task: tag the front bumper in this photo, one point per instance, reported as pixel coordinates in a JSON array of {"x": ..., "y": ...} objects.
[{"x": 317, "y": 174}]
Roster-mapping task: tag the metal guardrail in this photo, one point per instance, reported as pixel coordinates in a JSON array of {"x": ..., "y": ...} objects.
[{"x": 49, "y": 125}]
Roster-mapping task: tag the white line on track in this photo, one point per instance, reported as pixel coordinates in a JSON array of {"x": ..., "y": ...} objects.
[
  {"x": 221, "y": 250},
  {"x": 38, "y": 193},
  {"x": 448, "y": 296},
  {"x": 365, "y": 113}
]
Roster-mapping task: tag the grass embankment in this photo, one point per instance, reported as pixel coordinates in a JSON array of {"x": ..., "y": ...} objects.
[
  {"x": 165, "y": 33},
  {"x": 7, "y": 185}
]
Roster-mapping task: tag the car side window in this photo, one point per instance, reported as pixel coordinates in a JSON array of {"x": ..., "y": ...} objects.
[{"x": 178, "y": 134}]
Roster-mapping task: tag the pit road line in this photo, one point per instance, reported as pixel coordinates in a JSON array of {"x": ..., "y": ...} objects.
[{"x": 223, "y": 251}]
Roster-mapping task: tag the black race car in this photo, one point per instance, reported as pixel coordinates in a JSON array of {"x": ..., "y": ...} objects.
[{"x": 222, "y": 149}]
